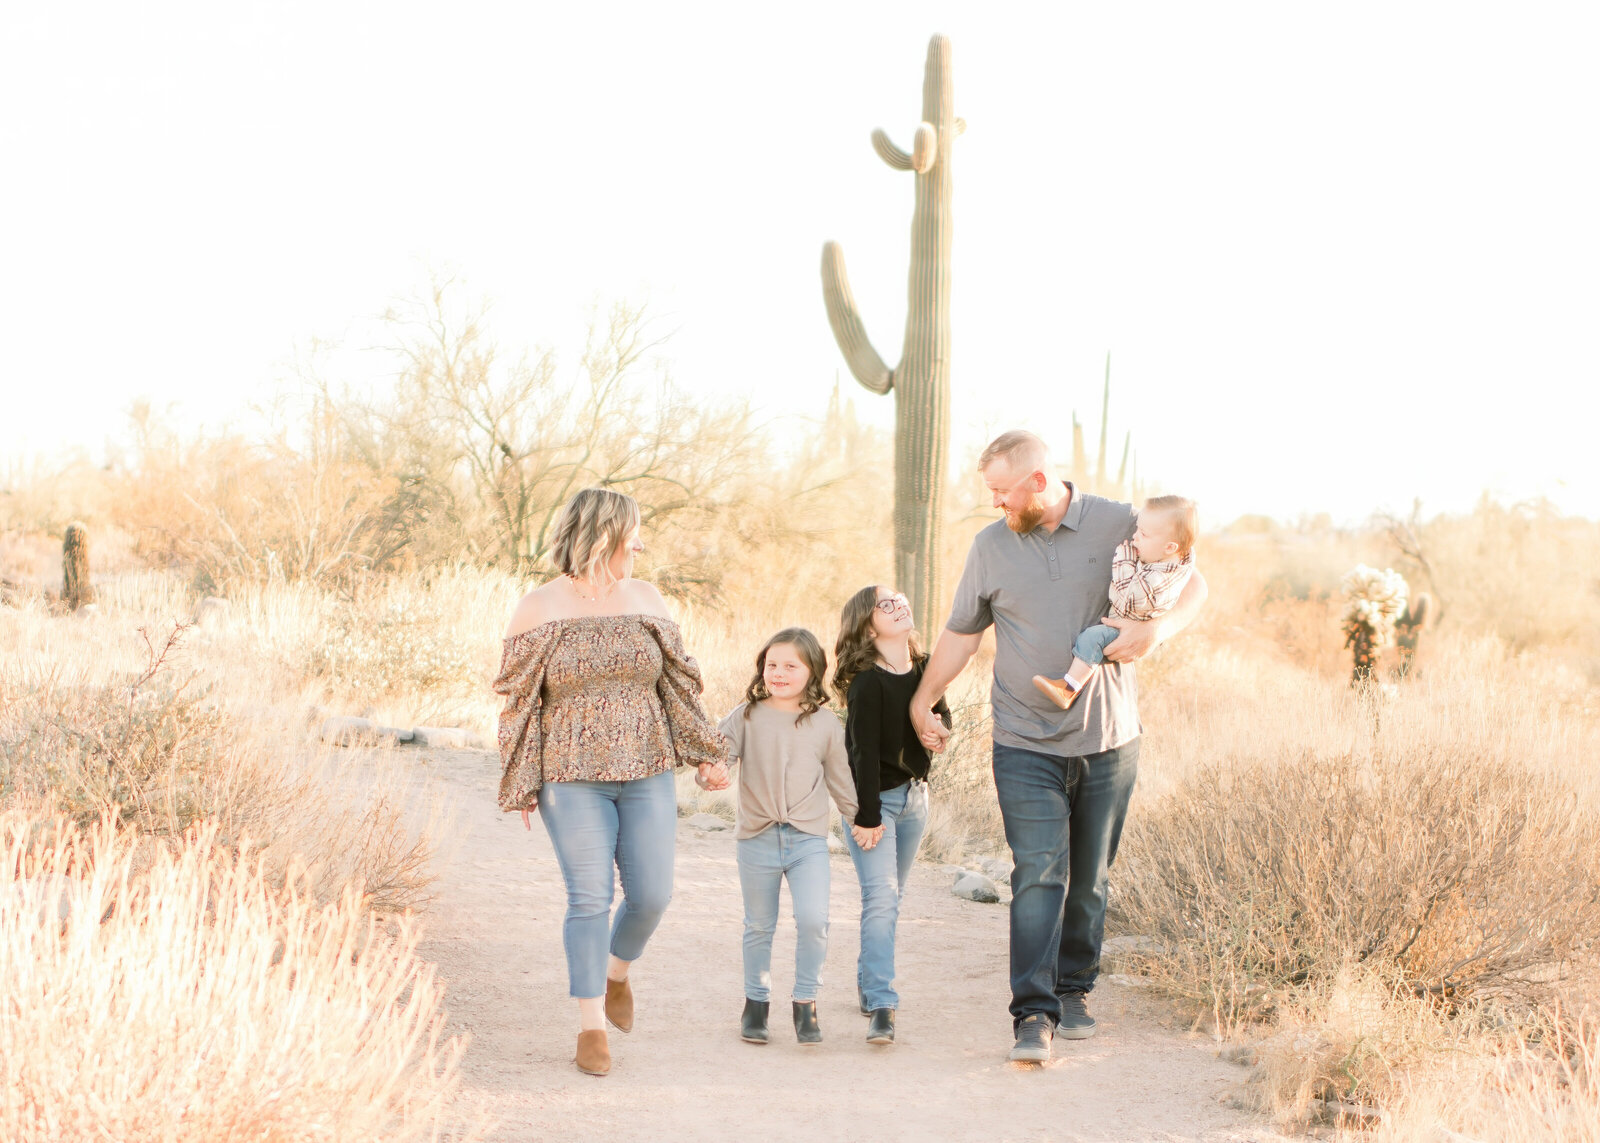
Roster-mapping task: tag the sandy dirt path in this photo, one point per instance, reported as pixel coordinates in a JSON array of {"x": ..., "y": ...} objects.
[{"x": 683, "y": 1073}]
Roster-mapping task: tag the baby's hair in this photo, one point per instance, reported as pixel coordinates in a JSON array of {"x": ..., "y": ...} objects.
[
  {"x": 854, "y": 651},
  {"x": 816, "y": 661},
  {"x": 1185, "y": 522}
]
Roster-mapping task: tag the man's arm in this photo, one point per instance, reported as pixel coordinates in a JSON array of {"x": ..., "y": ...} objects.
[
  {"x": 950, "y": 657},
  {"x": 1138, "y": 638}
]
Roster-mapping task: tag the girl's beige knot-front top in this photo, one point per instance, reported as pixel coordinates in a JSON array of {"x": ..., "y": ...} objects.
[{"x": 598, "y": 698}]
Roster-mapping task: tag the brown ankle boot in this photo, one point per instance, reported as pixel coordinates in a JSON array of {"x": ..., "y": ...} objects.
[
  {"x": 594, "y": 1056},
  {"x": 1057, "y": 691},
  {"x": 619, "y": 1004}
]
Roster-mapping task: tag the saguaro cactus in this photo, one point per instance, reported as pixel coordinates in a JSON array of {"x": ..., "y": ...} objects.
[
  {"x": 921, "y": 381},
  {"x": 75, "y": 587}
]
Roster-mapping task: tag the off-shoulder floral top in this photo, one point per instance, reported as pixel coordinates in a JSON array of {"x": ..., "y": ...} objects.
[{"x": 598, "y": 698}]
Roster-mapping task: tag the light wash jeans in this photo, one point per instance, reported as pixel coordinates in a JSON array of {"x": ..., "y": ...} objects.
[
  {"x": 1091, "y": 643},
  {"x": 882, "y": 871},
  {"x": 594, "y": 826},
  {"x": 777, "y": 852}
]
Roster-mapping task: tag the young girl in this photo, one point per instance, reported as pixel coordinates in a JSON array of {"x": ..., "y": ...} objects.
[
  {"x": 791, "y": 756},
  {"x": 879, "y": 664}
]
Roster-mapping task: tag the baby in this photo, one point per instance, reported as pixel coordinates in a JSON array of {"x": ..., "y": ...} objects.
[{"x": 1147, "y": 576}]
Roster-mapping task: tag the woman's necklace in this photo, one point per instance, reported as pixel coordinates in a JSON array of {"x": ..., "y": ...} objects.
[{"x": 573, "y": 580}]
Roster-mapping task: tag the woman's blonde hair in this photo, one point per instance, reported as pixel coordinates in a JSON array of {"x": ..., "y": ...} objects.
[{"x": 593, "y": 526}]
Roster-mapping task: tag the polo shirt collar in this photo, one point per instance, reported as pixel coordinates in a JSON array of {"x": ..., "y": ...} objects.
[{"x": 1074, "y": 513}]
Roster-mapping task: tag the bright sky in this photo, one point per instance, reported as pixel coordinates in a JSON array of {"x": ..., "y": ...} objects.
[{"x": 1341, "y": 254}]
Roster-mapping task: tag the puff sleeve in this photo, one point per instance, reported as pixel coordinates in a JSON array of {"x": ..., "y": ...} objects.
[
  {"x": 695, "y": 739},
  {"x": 521, "y": 681}
]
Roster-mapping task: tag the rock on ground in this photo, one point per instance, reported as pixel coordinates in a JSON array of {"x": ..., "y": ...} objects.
[{"x": 975, "y": 887}]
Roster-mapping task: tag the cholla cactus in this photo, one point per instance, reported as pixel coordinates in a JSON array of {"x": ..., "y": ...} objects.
[
  {"x": 1374, "y": 600},
  {"x": 75, "y": 587}
]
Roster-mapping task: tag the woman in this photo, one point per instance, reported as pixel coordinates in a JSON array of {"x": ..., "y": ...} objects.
[
  {"x": 601, "y": 703},
  {"x": 878, "y": 666}
]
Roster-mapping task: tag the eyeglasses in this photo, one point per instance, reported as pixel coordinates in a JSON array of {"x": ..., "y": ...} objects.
[{"x": 893, "y": 603}]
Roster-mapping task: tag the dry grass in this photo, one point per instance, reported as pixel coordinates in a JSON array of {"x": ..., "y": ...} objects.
[
  {"x": 188, "y": 995},
  {"x": 1386, "y": 897}
]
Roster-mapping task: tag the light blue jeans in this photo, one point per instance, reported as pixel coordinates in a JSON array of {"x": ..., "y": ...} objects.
[
  {"x": 595, "y": 826},
  {"x": 1091, "y": 644},
  {"x": 882, "y": 871},
  {"x": 777, "y": 852}
]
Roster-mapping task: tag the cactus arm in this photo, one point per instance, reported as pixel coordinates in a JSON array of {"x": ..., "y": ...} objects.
[
  {"x": 848, "y": 330},
  {"x": 925, "y": 148},
  {"x": 888, "y": 152}
]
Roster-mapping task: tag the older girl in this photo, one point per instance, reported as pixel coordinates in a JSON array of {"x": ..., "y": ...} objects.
[
  {"x": 791, "y": 755},
  {"x": 877, "y": 669},
  {"x": 601, "y": 703}
]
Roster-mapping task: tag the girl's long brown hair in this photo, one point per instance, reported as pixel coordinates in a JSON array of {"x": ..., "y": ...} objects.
[
  {"x": 816, "y": 661},
  {"x": 855, "y": 651}
]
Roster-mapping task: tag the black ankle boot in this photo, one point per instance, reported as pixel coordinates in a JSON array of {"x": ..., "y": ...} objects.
[
  {"x": 880, "y": 1029},
  {"x": 753, "y": 1025},
  {"x": 806, "y": 1029}
]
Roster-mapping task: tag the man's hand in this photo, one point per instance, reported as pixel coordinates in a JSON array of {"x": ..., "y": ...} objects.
[
  {"x": 1138, "y": 638},
  {"x": 930, "y": 728},
  {"x": 866, "y": 838},
  {"x": 712, "y": 776}
]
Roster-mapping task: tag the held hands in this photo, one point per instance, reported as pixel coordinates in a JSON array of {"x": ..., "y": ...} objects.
[
  {"x": 930, "y": 728},
  {"x": 866, "y": 838},
  {"x": 1137, "y": 639},
  {"x": 713, "y": 776}
]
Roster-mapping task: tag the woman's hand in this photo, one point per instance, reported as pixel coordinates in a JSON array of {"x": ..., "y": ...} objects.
[
  {"x": 712, "y": 776},
  {"x": 528, "y": 812},
  {"x": 866, "y": 838}
]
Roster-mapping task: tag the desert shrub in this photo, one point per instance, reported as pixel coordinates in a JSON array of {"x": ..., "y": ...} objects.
[
  {"x": 182, "y": 994},
  {"x": 1449, "y": 872},
  {"x": 158, "y": 753},
  {"x": 394, "y": 647}
]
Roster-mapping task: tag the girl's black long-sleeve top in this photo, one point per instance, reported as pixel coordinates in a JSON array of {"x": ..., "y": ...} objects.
[{"x": 883, "y": 746}]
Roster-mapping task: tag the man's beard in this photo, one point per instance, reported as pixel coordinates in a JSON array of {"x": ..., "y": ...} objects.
[{"x": 1026, "y": 519}]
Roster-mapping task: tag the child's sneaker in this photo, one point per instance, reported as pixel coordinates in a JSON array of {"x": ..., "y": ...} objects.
[{"x": 1057, "y": 691}]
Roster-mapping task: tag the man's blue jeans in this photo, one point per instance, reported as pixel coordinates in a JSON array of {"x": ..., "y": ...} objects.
[
  {"x": 1063, "y": 818},
  {"x": 882, "y": 871},
  {"x": 777, "y": 852},
  {"x": 593, "y": 827}
]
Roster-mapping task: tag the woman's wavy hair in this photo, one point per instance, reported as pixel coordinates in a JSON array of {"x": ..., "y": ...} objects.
[
  {"x": 855, "y": 651},
  {"x": 816, "y": 661},
  {"x": 592, "y": 526}
]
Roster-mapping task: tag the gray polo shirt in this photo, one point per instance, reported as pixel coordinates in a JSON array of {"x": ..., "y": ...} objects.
[{"x": 1039, "y": 591}]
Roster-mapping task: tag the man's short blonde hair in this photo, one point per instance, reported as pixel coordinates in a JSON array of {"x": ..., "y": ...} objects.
[
  {"x": 1021, "y": 450},
  {"x": 593, "y": 526},
  {"x": 1185, "y": 520}
]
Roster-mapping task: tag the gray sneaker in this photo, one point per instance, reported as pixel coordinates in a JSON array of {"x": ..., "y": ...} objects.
[
  {"x": 1033, "y": 1040},
  {"x": 1076, "y": 1023}
]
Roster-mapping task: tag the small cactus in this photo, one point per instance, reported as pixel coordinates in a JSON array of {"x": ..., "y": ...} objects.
[
  {"x": 1419, "y": 613},
  {"x": 76, "y": 590},
  {"x": 1375, "y": 600}
]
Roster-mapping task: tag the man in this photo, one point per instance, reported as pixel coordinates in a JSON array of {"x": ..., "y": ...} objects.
[{"x": 1040, "y": 576}]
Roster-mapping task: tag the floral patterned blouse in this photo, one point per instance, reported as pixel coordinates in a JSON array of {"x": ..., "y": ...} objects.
[{"x": 598, "y": 698}]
